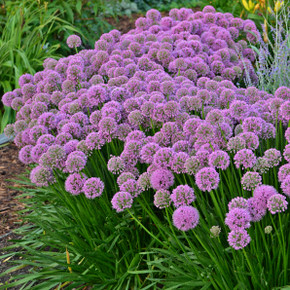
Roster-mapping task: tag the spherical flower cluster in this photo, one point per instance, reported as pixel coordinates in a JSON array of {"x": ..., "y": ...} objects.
[
  {"x": 238, "y": 218},
  {"x": 162, "y": 198},
  {"x": 207, "y": 179},
  {"x": 93, "y": 187},
  {"x": 182, "y": 195},
  {"x": 122, "y": 200},
  {"x": 239, "y": 239},
  {"x": 73, "y": 41},
  {"x": 185, "y": 218},
  {"x": 277, "y": 203}
]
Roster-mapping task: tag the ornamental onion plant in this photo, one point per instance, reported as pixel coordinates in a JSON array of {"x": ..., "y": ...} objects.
[{"x": 154, "y": 158}]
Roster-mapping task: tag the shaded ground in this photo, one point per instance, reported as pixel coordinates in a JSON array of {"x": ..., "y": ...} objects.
[{"x": 10, "y": 168}]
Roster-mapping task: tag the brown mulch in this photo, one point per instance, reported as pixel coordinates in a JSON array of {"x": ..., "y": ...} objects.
[{"x": 10, "y": 168}]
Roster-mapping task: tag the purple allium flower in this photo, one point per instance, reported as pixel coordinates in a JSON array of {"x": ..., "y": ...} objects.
[
  {"x": 245, "y": 158},
  {"x": 25, "y": 154},
  {"x": 251, "y": 180},
  {"x": 148, "y": 151},
  {"x": 74, "y": 183},
  {"x": 76, "y": 161},
  {"x": 185, "y": 218},
  {"x": 9, "y": 131},
  {"x": 177, "y": 162},
  {"x": 286, "y": 153},
  {"x": 238, "y": 218},
  {"x": 262, "y": 165},
  {"x": 161, "y": 179},
  {"x": 93, "y": 187},
  {"x": 37, "y": 151},
  {"x": 125, "y": 176},
  {"x": 236, "y": 144},
  {"x": 163, "y": 157},
  {"x": 273, "y": 156},
  {"x": 41, "y": 176},
  {"x": 219, "y": 159},
  {"x": 95, "y": 141},
  {"x": 285, "y": 186},
  {"x": 284, "y": 170},
  {"x": 207, "y": 179},
  {"x": 122, "y": 200},
  {"x": 74, "y": 41},
  {"x": 144, "y": 181},
  {"x": 182, "y": 195},
  {"x": 132, "y": 187},
  {"x": 192, "y": 165},
  {"x": 277, "y": 203},
  {"x": 239, "y": 239},
  {"x": 256, "y": 209},
  {"x": 251, "y": 140},
  {"x": 262, "y": 193},
  {"x": 238, "y": 202},
  {"x": 116, "y": 165},
  {"x": 162, "y": 198}
]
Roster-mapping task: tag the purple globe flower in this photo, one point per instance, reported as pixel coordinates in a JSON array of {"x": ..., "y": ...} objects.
[
  {"x": 182, "y": 195},
  {"x": 74, "y": 184},
  {"x": 207, "y": 179},
  {"x": 132, "y": 187},
  {"x": 41, "y": 176},
  {"x": 76, "y": 161},
  {"x": 238, "y": 202},
  {"x": 251, "y": 180},
  {"x": 285, "y": 186},
  {"x": 277, "y": 203},
  {"x": 122, "y": 200},
  {"x": 162, "y": 198},
  {"x": 74, "y": 41},
  {"x": 93, "y": 187},
  {"x": 238, "y": 218},
  {"x": 162, "y": 179},
  {"x": 239, "y": 239},
  {"x": 185, "y": 218}
]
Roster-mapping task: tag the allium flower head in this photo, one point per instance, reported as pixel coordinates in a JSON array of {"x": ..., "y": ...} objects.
[
  {"x": 273, "y": 156},
  {"x": 144, "y": 181},
  {"x": 219, "y": 159},
  {"x": 162, "y": 179},
  {"x": 238, "y": 218},
  {"x": 239, "y": 239},
  {"x": 41, "y": 176},
  {"x": 285, "y": 186},
  {"x": 277, "y": 203},
  {"x": 284, "y": 170},
  {"x": 268, "y": 230},
  {"x": 207, "y": 179},
  {"x": 238, "y": 202},
  {"x": 256, "y": 209},
  {"x": 125, "y": 176},
  {"x": 93, "y": 187},
  {"x": 162, "y": 198},
  {"x": 245, "y": 158},
  {"x": 182, "y": 195},
  {"x": 76, "y": 161},
  {"x": 215, "y": 231},
  {"x": 122, "y": 200},
  {"x": 116, "y": 165},
  {"x": 74, "y": 183},
  {"x": 251, "y": 180},
  {"x": 74, "y": 41},
  {"x": 132, "y": 187},
  {"x": 185, "y": 218}
]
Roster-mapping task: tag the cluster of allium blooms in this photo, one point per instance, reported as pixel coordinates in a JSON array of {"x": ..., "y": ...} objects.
[
  {"x": 243, "y": 211},
  {"x": 166, "y": 90}
]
